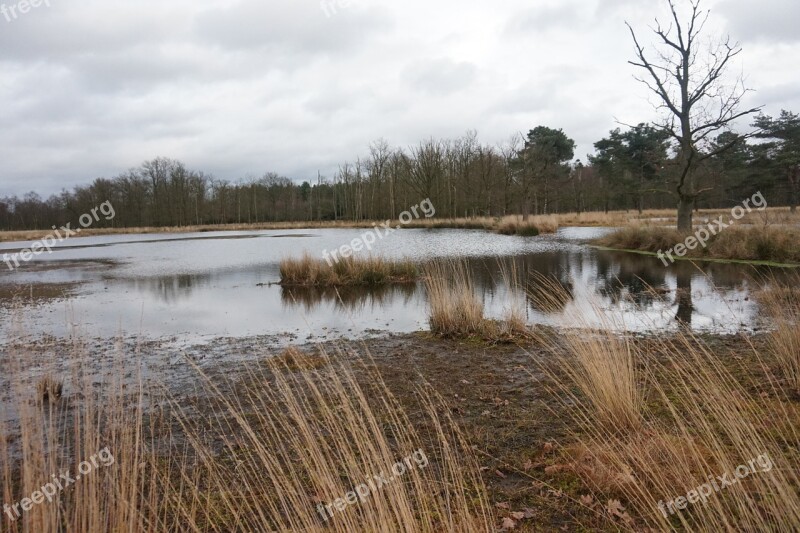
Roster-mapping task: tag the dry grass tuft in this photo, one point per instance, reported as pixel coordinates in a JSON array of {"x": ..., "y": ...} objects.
[
  {"x": 782, "y": 305},
  {"x": 293, "y": 358},
  {"x": 456, "y": 312},
  {"x": 515, "y": 225},
  {"x": 49, "y": 389},
  {"x": 310, "y": 272},
  {"x": 262, "y": 456},
  {"x": 778, "y": 244},
  {"x": 657, "y": 419}
]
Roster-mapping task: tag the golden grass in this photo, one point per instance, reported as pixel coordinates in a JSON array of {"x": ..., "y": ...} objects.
[
  {"x": 778, "y": 244},
  {"x": 544, "y": 223},
  {"x": 781, "y": 303},
  {"x": 268, "y": 458},
  {"x": 456, "y": 311},
  {"x": 659, "y": 418},
  {"x": 310, "y": 272}
]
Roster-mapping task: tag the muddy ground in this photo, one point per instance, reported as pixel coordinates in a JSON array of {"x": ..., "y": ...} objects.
[{"x": 499, "y": 396}]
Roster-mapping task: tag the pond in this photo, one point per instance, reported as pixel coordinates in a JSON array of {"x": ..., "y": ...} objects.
[{"x": 193, "y": 288}]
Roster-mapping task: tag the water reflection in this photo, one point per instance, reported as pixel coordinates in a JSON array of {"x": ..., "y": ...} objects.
[
  {"x": 348, "y": 298},
  {"x": 203, "y": 289}
]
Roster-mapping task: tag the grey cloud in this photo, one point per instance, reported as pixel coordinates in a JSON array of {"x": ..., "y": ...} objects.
[
  {"x": 440, "y": 76},
  {"x": 774, "y": 21}
]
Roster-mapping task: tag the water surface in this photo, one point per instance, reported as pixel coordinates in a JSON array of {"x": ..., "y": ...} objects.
[{"x": 197, "y": 287}]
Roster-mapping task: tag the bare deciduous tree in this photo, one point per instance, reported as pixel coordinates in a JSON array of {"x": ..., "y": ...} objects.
[{"x": 690, "y": 82}]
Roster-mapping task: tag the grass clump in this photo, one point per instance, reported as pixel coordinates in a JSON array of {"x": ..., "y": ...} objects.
[
  {"x": 310, "y": 272},
  {"x": 456, "y": 312},
  {"x": 516, "y": 225},
  {"x": 655, "y": 419},
  {"x": 782, "y": 305},
  {"x": 264, "y": 452},
  {"x": 777, "y": 244}
]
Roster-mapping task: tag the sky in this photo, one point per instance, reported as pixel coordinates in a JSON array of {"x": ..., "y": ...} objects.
[{"x": 238, "y": 88}]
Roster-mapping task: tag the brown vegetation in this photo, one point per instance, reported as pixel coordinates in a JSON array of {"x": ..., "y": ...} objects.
[
  {"x": 268, "y": 459},
  {"x": 456, "y": 312},
  {"x": 657, "y": 418},
  {"x": 777, "y": 244},
  {"x": 310, "y": 272}
]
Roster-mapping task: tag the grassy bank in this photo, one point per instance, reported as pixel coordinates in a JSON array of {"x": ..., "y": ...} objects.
[
  {"x": 539, "y": 224},
  {"x": 772, "y": 244},
  {"x": 351, "y": 271}
]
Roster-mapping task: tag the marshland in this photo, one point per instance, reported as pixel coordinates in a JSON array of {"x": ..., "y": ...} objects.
[{"x": 438, "y": 333}]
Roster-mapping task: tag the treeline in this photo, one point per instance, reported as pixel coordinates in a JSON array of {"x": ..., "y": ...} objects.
[{"x": 631, "y": 169}]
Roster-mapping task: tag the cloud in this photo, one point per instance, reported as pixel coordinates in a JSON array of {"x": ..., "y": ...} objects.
[
  {"x": 440, "y": 76},
  {"x": 772, "y": 21},
  {"x": 241, "y": 87}
]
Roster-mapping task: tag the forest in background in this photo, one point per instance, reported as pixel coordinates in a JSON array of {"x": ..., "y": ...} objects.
[{"x": 634, "y": 168}]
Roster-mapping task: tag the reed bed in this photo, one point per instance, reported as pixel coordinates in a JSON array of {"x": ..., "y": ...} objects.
[
  {"x": 301, "y": 433},
  {"x": 781, "y": 303},
  {"x": 659, "y": 419},
  {"x": 372, "y": 271},
  {"x": 777, "y": 244}
]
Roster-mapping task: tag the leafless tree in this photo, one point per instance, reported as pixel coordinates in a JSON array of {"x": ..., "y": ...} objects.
[{"x": 689, "y": 77}]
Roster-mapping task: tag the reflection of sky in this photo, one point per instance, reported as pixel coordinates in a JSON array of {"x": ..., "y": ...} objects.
[{"x": 195, "y": 289}]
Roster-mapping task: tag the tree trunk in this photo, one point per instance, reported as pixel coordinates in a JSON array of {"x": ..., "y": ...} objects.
[
  {"x": 685, "y": 213},
  {"x": 683, "y": 297},
  {"x": 793, "y": 175}
]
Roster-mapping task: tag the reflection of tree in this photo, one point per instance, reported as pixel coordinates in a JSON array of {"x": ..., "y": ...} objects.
[
  {"x": 683, "y": 297},
  {"x": 622, "y": 275},
  {"x": 350, "y": 298},
  {"x": 171, "y": 289}
]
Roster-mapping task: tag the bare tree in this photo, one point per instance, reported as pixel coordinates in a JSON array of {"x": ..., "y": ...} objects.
[{"x": 690, "y": 82}]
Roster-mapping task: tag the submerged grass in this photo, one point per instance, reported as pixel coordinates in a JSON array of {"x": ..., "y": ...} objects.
[{"x": 310, "y": 272}]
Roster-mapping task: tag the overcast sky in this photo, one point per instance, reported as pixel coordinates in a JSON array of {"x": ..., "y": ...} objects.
[{"x": 90, "y": 88}]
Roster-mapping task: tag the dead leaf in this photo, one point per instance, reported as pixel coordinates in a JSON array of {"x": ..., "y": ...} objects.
[
  {"x": 503, "y": 505},
  {"x": 499, "y": 473},
  {"x": 548, "y": 447},
  {"x": 615, "y": 508},
  {"x": 528, "y": 465},
  {"x": 587, "y": 499},
  {"x": 508, "y": 524},
  {"x": 517, "y": 515}
]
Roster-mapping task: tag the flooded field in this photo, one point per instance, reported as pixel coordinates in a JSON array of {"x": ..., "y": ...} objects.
[{"x": 195, "y": 288}]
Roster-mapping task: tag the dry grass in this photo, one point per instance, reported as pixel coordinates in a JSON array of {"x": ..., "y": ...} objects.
[
  {"x": 781, "y": 303},
  {"x": 456, "y": 311},
  {"x": 658, "y": 418},
  {"x": 544, "y": 223},
  {"x": 259, "y": 460},
  {"x": 778, "y": 244},
  {"x": 310, "y": 272}
]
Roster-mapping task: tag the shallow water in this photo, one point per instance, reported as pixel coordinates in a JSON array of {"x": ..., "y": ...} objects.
[{"x": 197, "y": 287}]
